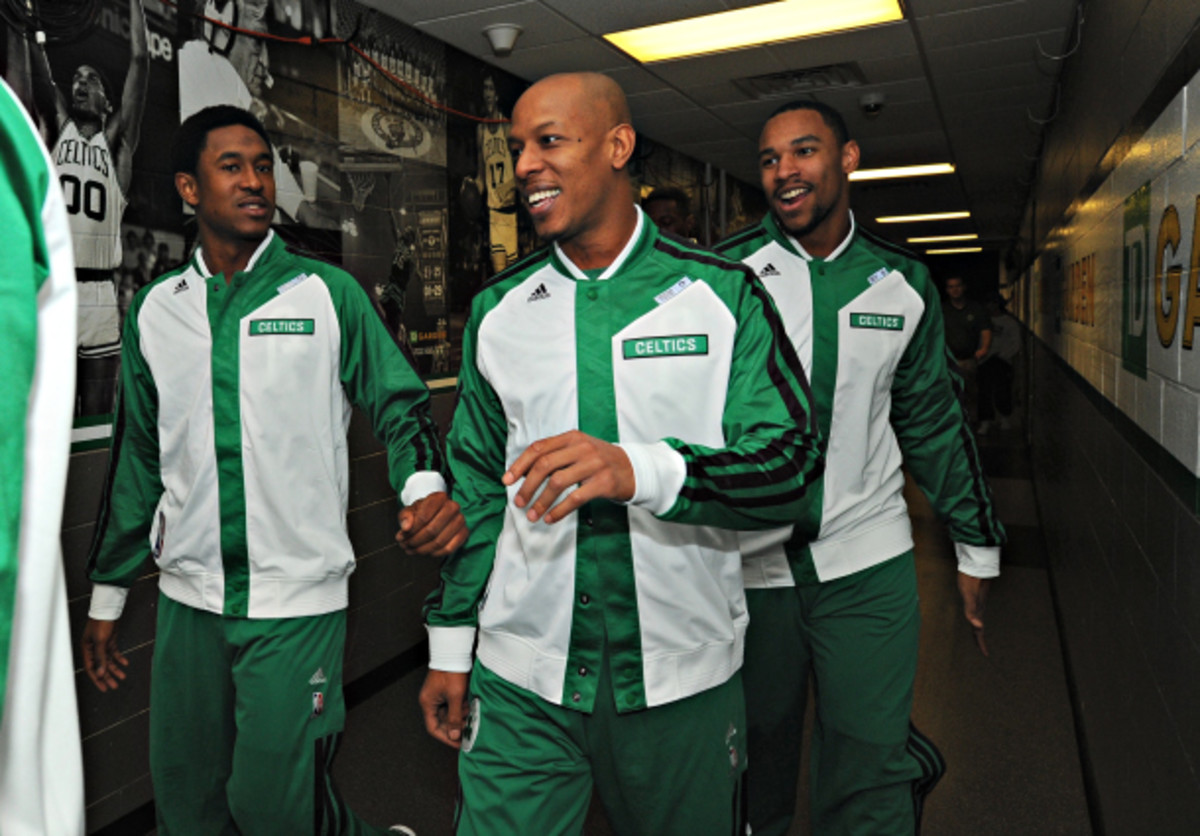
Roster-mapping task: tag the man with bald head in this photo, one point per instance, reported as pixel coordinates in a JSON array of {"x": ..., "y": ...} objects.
[{"x": 613, "y": 423}]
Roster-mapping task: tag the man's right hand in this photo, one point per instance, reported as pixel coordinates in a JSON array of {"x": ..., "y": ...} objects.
[
  {"x": 102, "y": 660},
  {"x": 444, "y": 702}
]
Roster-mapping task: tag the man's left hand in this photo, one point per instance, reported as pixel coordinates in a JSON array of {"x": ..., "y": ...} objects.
[
  {"x": 974, "y": 594},
  {"x": 432, "y": 526},
  {"x": 601, "y": 470}
]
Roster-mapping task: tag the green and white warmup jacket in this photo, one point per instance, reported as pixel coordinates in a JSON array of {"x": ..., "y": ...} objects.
[
  {"x": 229, "y": 462},
  {"x": 867, "y": 326},
  {"x": 678, "y": 356},
  {"x": 41, "y": 767}
]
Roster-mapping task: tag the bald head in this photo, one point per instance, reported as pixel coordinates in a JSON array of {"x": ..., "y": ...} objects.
[
  {"x": 597, "y": 99},
  {"x": 571, "y": 141}
]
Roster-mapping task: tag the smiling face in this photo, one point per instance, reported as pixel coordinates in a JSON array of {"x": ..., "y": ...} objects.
[
  {"x": 233, "y": 189},
  {"x": 570, "y": 147},
  {"x": 805, "y": 173}
]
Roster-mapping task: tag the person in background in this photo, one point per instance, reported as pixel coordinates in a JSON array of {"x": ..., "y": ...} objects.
[
  {"x": 968, "y": 335},
  {"x": 94, "y": 142},
  {"x": 834, "y": 595},
  {"x": 996, "y": 369},
  {"x": 230, "y": 468},
  {"x": 41, "y": 766},
  {"x": 670, "y": 209}
]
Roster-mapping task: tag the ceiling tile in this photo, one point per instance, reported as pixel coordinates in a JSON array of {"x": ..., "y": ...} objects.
[
  {"x": 990, "y": 22},
  {"x": 890, "y": 40},
  {"x": 687, "y": 73},
  {"x": 584, "y": 54},
  {"x": 1000, "y": 52},
  {"x": 659, "y": 101},
  {"x": 635, "y": 79},
  {"x": 541, "y": 26}
]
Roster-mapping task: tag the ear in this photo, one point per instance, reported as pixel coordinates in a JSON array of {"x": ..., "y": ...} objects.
[
  {"x": 188, "y": 188},
  {"x": 850, "y": 156},
  {"x": 622, "y": 141}
]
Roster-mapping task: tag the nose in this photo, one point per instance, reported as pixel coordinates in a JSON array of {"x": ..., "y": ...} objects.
[
  {"x": 527, "y": 163},
  {"x": 252, "y": 178},
  {"x": 786, "y": 167}
]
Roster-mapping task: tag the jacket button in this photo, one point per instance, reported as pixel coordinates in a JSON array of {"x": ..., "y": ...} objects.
[
  {"x": 576, "y": 697},
  {"x": 593, "y": 294},
  {"x": 585, "y": 599},
  {"x": 583, "y": 671}
]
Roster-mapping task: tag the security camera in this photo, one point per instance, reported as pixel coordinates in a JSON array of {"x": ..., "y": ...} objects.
[{"x": 872, "y": 104}]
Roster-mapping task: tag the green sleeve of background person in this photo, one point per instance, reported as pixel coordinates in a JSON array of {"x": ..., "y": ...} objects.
[
  {"x": 380, "y": 380},
  {"x": 120, "y": 545},
  {"x": 24, "y": 266},
  {"x": 929, "y": 422},
  {"x": 774, "y": 453},
  {"x": 475, "y": 450}
]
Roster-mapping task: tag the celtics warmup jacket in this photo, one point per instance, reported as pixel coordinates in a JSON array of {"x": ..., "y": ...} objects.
[
  {"x": 867, "y": 326},
  {"x": 679, "y": 357},
  {"x": 229, "y": 461}
]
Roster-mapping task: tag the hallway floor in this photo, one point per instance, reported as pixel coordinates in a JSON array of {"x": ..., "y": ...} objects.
[{"x": 1003, "y": 722}]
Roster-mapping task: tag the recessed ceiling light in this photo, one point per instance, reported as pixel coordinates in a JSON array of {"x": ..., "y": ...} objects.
[
  {"x": 784, "y": 20},
  {"x": 951, "y": 250},
  {"x": 938, "y": 239},
  {"x": 934, "y": 216},
  {"x": 902, "y": 171}
]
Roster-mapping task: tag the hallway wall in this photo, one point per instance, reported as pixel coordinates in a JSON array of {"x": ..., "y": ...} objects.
[{"x": 1110, "y": 295}]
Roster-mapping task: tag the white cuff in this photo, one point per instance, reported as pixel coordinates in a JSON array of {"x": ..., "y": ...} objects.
[
  {"x": 658, "y": 472},
  {"x": 978, "y": 561},
  {"x": 108, "y": 602},
  {"x": 451, "y": 648},
  {"x": 420, "y": 485}
]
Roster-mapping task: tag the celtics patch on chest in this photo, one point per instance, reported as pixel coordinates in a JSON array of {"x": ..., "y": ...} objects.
[
  {"x": 877, "y": 321},
  {"x": 275, "y": 327},
  {"x": 665, "y": 345}
]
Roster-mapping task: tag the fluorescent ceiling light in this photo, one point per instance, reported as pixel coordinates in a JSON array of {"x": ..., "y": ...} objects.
[
  {"x": 938, "y": 239},
  {"x": 950, "y": 250},
  {"x": 784, "y": 20},
  {"x": 901, "y": 171},
  {"x": 935, "y": 216}
]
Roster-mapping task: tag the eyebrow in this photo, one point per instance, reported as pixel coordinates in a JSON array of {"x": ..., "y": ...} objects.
[{"x": 800, "y": 140}]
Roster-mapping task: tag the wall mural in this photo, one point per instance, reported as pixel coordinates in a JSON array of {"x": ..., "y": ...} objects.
[
  {"x": 391, "y": 157},
  {"x": 1116, "y": 291}
]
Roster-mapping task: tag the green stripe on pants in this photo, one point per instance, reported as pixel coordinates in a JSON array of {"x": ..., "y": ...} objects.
[
  {"x": 528, "y": 766},
  {"x": 857, "y": 636},
  {"x": 245, "y": 715}
]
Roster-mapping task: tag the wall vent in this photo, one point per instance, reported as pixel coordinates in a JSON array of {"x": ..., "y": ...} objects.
[{"x": 799, "y": 82}]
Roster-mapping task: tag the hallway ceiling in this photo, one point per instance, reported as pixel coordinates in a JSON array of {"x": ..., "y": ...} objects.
[{"x": 971, "y": 82}]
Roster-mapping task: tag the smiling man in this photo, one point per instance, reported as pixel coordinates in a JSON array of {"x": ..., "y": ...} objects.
[
  {"x": 229, "y": 467},
  {"x": 835, "y": 594},
  {"x": 614, "y": 421}
]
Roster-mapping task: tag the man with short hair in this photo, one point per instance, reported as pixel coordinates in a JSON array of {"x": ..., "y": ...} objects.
[
  {"x": 614, "y": 421},
  {"x": 968, "y": 328},
  {"x": 93, "y": 153},
  {"x": 670, "y": 209},
  {"x": 835, "y": 594},
  {"x": 230, "y": 467}
]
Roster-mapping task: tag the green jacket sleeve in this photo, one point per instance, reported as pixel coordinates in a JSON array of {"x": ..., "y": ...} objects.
[
  {"x": 475, "y": 451},
  {"x": 931, "y": 427},
  {"x": 379, "y": 379},
  {"x": 774, "y": 451},
  {"x": 120, "y": 544}
]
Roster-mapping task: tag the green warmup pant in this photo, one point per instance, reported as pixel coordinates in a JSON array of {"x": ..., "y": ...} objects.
[
  {"x": 528, "y": 766},
  {"x": 245, "y": 718},
  {"x": 870, "y": 768}
]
